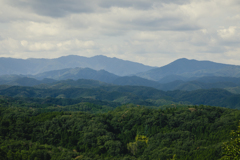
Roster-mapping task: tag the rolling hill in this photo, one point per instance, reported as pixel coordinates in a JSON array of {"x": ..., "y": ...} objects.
[{"x": 131, "y": 94}]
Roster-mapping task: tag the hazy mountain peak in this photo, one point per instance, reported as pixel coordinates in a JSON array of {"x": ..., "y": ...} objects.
[
  {"x": 192, "y": 68},
  {"x": 182, "y": 59},
  {"x": 69, "y": 56},
  {"x": 100, "y": 56}
]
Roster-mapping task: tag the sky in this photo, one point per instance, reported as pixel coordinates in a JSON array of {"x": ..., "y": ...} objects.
[{"x": 152, "y": 32}]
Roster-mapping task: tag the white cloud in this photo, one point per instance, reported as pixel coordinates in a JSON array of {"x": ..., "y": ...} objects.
[
  {"x": 42, "y": 29},
  {"x": 9, "y": 45},
  {"x": 153, "y": 32},
  {"x": 231, "y": 33}
]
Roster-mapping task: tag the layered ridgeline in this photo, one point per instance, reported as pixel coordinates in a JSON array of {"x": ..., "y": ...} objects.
[
  {"x": 86, "y": 77},
  {"x": 181, "y": 69},
  {"x": 182, "y": 74},
  {"x": 138, "y": 95},
  {"x": 102, "y": 85},
  {"x": 35, "y": 66}
]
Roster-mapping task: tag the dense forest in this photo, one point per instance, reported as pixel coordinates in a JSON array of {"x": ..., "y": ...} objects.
[
  {"x": 138, "y": 95},
  {"x": 92, "y": 120},
  {"x": 51, "y": 128}
]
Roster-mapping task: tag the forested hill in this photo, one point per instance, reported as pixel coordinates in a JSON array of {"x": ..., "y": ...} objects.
[
  {"x": 131, "y": 94},
  {"x": 88, "y": 78},
  {"x": 129, "y": 132},
  {"x": 86, "y": 119}
]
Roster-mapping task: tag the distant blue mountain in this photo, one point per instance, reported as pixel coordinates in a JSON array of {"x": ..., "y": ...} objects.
[
  {"x": 78, "y": 73},
  {"x": 182, "y": 74},
  {"x": 34, "y": 66},
  {"x": 182, "y": 69},
  {"x": 135, "y": 81}
]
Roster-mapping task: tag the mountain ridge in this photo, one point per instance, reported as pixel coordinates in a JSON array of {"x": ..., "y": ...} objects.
[
  {"x": 185, "y": 68},
  {"x": 78, "y": 73},
  {"x": 34, "y": 66}
]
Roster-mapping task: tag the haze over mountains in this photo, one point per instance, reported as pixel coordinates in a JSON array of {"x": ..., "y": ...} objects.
[
  {"x": 184, "y": 69},
  {"x": 36, "y": 66},
  {"x": 78, "y": 73},
  {"x": 182, "y": 81},
  {"x": 182, "y": 74}
]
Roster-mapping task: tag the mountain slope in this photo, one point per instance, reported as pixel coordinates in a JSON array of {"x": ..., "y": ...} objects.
[
  {"x": 217, "y": 79},
  {"x": 69, "y": 83},
  {"x": 191, "y": 68},
  {"x": 36, "y": 66},
  {"x": 78, "y": 73},
  {"x": 194, "y": 85},
  {"x": 25, "y": 81},
  {"x": 14, "y": 80},
  {"x": 135, "y": 81}
]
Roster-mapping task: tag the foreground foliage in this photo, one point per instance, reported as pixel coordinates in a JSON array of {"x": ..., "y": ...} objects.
[{"x": 231, "y": 149}]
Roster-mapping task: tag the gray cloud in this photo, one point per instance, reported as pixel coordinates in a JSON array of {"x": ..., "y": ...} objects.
[
  {"x": 56, "y": 8},
  {"x": 153, "y": 32},
  {"x": 138, "y": 4},
  {"x": 60, "y": 8},
  {"x": 166, "y": 23}
]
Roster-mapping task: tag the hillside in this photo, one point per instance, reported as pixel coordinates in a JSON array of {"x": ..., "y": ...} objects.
[
  {"x": 194, "y": 85},
  {"x": 69, "y": 83},
  {"x": 78, "y": 73},
  {"x": 134, "y": 81}
]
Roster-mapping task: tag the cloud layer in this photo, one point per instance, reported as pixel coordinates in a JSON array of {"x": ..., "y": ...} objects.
[{"x": 153, "y": 32}]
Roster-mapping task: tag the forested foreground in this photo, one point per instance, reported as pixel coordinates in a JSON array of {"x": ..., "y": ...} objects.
[{"x": 128, "y": 132}]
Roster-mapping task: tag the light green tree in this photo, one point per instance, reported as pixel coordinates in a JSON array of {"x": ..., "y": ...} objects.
[{"x": 231, "y": 149}]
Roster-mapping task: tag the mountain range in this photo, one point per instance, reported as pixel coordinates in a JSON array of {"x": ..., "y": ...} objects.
[
  {"x": 182, "y": 74},
  {"x": 186, "y": 69},
  {"x": 35, "y": 66}
]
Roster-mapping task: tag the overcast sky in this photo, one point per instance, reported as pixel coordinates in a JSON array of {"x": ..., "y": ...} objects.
[{"x": 152, "y": 32}]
